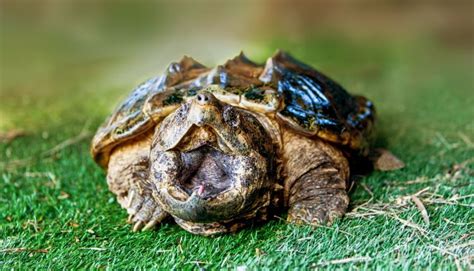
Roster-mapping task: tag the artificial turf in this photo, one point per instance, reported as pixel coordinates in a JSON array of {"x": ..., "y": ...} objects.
[{"x": 56, "y": 211}]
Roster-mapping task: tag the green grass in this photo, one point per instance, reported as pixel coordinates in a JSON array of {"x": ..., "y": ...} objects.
[{"x": 56, "y": 211}]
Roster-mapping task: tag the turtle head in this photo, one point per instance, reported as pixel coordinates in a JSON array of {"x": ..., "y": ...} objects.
[{"x": 211, "y": 162}]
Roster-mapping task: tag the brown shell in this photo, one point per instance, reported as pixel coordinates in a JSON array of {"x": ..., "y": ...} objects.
[{"x": 298, "y": 95}]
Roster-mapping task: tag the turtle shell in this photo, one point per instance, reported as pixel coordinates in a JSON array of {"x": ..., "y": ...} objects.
[
  {"x": 298, "y": 95},
  {"x": 130, "y": 120}
]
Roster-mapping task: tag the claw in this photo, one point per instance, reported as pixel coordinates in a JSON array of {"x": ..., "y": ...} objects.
[
  {"x": 130, "y": 219},
  {"x": 150, "y": 225},
  {"x": 137, "y": 226},
  {"x": 200, "y": 189},
  {"x": 130, "y": 199}
]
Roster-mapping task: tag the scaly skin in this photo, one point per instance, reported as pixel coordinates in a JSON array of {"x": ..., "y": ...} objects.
[
  {"x": 316, "y": 182},
  {"x": 127, "y": 177}
]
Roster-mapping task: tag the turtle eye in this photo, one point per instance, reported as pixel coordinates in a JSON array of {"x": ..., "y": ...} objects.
[{"x": 231, "y": 116}]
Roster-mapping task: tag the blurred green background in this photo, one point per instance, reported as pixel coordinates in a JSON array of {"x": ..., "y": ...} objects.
[
  {"x": 96, "y": 51},
  {"x": 65, "y": 65}
]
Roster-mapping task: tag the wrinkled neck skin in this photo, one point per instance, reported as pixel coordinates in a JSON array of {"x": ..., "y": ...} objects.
[{"x": 213, "y": 166}]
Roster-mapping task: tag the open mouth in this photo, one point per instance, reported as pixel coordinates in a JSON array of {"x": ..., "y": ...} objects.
[
  {"x": 207, "y": 172},
  {"x": 206, "y": 184}
]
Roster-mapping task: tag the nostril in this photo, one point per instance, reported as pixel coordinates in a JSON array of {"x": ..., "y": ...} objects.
[{"x": 202, "y": 98}]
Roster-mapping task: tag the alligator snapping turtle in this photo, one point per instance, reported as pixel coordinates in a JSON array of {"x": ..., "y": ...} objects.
[{"x": 218, "y": 148}]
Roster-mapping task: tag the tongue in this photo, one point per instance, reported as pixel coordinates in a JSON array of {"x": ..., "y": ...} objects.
[
  {"x": 203, "y": 173},
  {"x": 200, "y": 190}
]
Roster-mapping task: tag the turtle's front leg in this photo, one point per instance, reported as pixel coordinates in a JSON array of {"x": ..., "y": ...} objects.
[
  {"x": 127, "y": 177},
  {"x": 315, "y": 187},
  {"x": 318, "y": 197},
  {"x": 144, "y": 212}
]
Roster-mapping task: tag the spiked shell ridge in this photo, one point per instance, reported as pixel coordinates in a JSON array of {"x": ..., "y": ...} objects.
[{"x": 295, "y": 93}]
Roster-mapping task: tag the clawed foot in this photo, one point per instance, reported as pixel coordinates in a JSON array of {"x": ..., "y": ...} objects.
[
  {"x": 320, "y": 210},
  {"x": 144, "y": 212}
]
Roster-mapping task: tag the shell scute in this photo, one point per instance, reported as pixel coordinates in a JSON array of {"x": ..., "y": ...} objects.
[{"x": 314, "y": 104}]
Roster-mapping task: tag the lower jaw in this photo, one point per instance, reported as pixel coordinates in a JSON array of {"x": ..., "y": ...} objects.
[
  {"x": 196, "y": 209},
  {"x": 212, "y": 228},
  {"x": 258, "y": 212}
]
